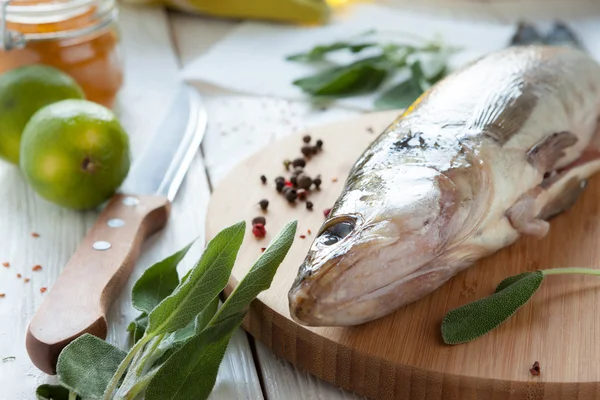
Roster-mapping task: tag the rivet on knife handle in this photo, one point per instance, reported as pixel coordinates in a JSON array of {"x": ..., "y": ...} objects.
[{"x": 91, "y": 281}]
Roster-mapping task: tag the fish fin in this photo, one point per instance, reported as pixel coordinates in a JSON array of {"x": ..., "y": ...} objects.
[
  {"x": 546, "y": 153},
  {"x": 526, "y": 34},
  {"x": 502, "y": 123},
  {"x": 562, "y": 35},
  {"x": 522, "y": 217},
  {"x": 565, "y": 200}
]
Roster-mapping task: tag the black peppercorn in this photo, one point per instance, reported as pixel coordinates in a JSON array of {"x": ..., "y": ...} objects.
[
  {"x": 319, "y": 143},
  {"x": 294, "y": 180},
  {"x": 263, "y": 179},
  {"x": 291, "y": 195},
  {"x": 317, "y": 181},
  {"x": 264, "y": 204},
  {"x": 299, "y": 162},
  {"x": 309, "y": 205},
  {"x": 306, "y": 139},
  {"x": 304, "y": 181},
  {"x": 279, "y": 186},
  {"x": 307, "y": 150},
  {"x": 259, "y": 220}
]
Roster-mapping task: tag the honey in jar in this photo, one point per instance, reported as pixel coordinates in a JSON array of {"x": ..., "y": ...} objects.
[{"x": 79, "y": 37}]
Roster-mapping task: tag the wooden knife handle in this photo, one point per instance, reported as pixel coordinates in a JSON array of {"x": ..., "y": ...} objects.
[{"x": 87, "y": 287}]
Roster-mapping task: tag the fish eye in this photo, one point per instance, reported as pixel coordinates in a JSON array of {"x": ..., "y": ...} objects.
[{"x": 336, "y": 230}]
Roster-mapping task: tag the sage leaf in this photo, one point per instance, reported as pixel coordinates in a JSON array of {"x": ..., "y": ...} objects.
[
  {"x": 318, "y": 53},
  {"x": 137, "y": 327},
  {"x": 178, "y": 338},
  {"x": 52, "y": 392},
  {"x": 510, "y": 280},
  {"x": 359, "y": 77},
  {"x": 87, "y": 364},
  {"x": 191, "y": 372},
  {"x": 475, "y": 319},
  {"x": 157, "y": 282},
  {"x": 206, "y": 280},
  {"x": 260, "y": 276},
  {"x": 400, "y": 96}
]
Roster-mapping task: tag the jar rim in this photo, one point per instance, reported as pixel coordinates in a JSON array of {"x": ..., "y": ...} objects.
[
  {"x": 53, "y": 11},
  {"x": 104, "y": 13}
]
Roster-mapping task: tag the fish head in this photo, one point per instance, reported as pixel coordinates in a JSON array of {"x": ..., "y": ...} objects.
[{"x": 384, "y": 228}]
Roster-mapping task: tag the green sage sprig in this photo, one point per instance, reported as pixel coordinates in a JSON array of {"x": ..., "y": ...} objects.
[
  {"x": 181, "y": 335},
  {"x": 423, "y": 65},
  {"x": 478, "y": 318}
]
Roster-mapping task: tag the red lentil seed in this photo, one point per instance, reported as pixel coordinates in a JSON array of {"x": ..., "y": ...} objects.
[
  {"x": 5, "y": 264},
  {"x": 35, "y": 234},
  {"x": 19, "y": 276},
  {"x": 334, "y": 180},
  {"x": 2, "y": 294},
  {"x": 26, "y": 280},
  {"x": 309, "y": 232},
  {"x": 263, "y": 249},
  {"x": 37, "y": 268},
  {"x": 43, "y": 289},
  {"x": 302, "y": 236}
]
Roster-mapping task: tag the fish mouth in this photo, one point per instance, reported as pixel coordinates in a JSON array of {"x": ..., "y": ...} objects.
[
  {"x": 308, "y": 310},
  {"x": 321, "y": 299}
]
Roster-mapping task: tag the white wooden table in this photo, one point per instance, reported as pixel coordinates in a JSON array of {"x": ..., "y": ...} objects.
[{"x": 156, "y": 44}]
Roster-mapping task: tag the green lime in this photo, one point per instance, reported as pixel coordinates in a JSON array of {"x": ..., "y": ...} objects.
[
  {"x": 75, "y": 153},
  {"x": 23, "y": 91}
]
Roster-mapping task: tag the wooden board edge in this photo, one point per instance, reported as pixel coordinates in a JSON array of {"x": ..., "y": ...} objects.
[{"x": 379, "y": 379}]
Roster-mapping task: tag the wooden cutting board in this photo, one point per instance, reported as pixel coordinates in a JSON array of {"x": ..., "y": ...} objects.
[{"x": 402, "y": 356}]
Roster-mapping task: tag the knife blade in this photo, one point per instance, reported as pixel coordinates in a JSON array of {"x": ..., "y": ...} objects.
[{"x": 91, "y": 281}]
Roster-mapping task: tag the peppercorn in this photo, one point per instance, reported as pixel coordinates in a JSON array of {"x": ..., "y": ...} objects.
[
  {"x": 319, "y": 144},
  {"x": 307, "y": 150},
  {"x": 263, "y": 179},
  {"x": 291, "y": 195},
  {"x": 286, "y": 164},
  {"x": 294, "y": 180},
  {"x": 259, "y": 220},
  {"x": 301, "y": 194},
  {"x": 306, "y": 139},
  {"x": 264, "y": 204},
  {"x": 304, "y": 181},
  {"x": 259, "y": 230},
  {"x": 317, "y": 181},
  {"x": 309, "y": 205},
  {"x": 279, "y": 186},
  {"x": 299, "y": 162}
]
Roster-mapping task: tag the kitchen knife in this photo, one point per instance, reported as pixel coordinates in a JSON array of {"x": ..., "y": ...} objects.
[{"x": 87, "y": 287}]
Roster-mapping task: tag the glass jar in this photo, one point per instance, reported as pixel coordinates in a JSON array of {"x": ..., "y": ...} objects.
[{"x": 79, "y": 37}]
